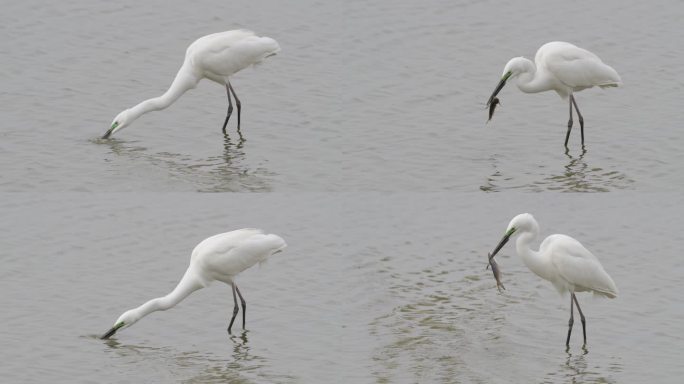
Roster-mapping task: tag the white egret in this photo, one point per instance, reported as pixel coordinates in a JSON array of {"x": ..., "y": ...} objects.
[
  {"x": 561, "y": 260},
  {"x": 220, "y": 257},
  {"x": 215, "y": 57},
  {"x": 561, "y": 67}
]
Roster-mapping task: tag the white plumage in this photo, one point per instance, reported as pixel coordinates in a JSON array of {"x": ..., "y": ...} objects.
[
  {"x": 573, "y": 69},
  {"x": 215, "y": 57},
  {"x": 221, "y": 257},
  {"x": 561, "y": 67},
  {"x": 576, "y": 269},
  {"x": 561, "y": 260}
]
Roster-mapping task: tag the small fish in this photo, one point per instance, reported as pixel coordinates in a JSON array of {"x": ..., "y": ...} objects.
[
  {"x": 492, "y": 107},
  {"x": 497, "y": 273}
]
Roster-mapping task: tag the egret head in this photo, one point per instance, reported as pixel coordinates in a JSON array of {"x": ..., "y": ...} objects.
[
  {"x": 513, "y": 68},
  {"x": 127, "y": 319},
  {"x": 522, "y": 222},
  {"x": 120, "y": 121},
  {"x": 516, "y": 66}
]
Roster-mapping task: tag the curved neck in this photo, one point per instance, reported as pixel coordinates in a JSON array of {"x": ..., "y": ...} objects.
[
  {"x": 531, "y": 80},
  {"x": 531, "y": 258},
  {"x": 184, "y": 81},
  {"x": 188, "y": 284}
]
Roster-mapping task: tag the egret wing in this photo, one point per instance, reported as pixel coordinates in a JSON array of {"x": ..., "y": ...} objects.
[
  {"x": 578, "y": 266},
  {"x": 225, "y": 53},
  {"x": 575, "y": 67}
]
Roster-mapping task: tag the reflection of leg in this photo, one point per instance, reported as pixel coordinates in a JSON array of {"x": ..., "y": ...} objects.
[
  {"x": 581, "y": 120},
  {"x": 235, "y": 309},
  {"x": 567, "y": 135},
  {"x": 244, "y": 306},
  {"x": 230, "y": 108},
  {"x": 572, "y": 320},
  {"x": 584, "y": 323},
  {"x": 237, "y": 102}
]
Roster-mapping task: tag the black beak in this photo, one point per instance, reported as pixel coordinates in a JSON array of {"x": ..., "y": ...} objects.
[
  {"x": 498, "y": 87},
  {"x": 109, "y": 333},
  {"x": 108, "y": 133},
  {"x": 110, "y": 130},
  {"x": 496, "y": 91},
  {"x": 503, "y": 242}
]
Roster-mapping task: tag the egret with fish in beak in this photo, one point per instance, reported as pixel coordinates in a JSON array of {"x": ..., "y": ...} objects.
[
  {"x": 560, "y": 67},
  {"x": 561, "y": 260}
]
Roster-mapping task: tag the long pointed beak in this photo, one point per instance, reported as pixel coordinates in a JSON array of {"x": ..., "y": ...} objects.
[
  {"x": 499, "y": 87},
  {"x": 111, "y": 331},
  {"x": 110, "y": 131},
  {"x": 503, "y": 242},
  {"x": 109, "y": 334}
]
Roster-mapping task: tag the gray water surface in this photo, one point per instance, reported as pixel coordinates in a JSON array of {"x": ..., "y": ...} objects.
[
  {"x": 365, "y": 96},
  {"x": 372, "y": 288},
  {"x": 367, "y": 150}
]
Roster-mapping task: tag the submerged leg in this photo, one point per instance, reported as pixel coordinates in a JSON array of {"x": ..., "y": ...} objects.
[
  {"x": 567, "y": 135},
  {"x": 235, "y": 309},
  {"x": 581, "y": 120},
  {"x": 570, "y": 322},
  {"x": 230, "y": 108},
  {"x": 584, "y": 323},
  {"x": 239, "y": 105},
  {"x": 244, "y": 306}
]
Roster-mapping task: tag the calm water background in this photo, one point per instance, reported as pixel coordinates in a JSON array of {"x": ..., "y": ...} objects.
[
  {"x": 373, "y": 287},
  {"x": 369, "y": 131},
  {"x": 366, "y": 96}
]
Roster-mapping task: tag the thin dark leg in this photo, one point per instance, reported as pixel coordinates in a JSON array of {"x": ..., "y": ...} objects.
[
  {"x": 244, "y": 306},
  {"x": 572, "y": 321},
  {"x": 239, "y": 105},
  {"x": 235, "y": 309},
  {"x": 584, "y": 323},
  {"x": 567, "y": 135},
  {"x": 581, "y": 120},
  {"x": 230, "y": 108}
]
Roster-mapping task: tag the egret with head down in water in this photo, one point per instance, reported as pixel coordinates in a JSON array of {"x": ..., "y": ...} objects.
[
  {"x": 220, "y": 257},
  {"x": 215, "y": 57}
]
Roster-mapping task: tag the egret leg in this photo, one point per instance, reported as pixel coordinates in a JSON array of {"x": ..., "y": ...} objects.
[
  {"x": 235, "y": 309},
  {"x": 584, "y": 322},
  {"x": 244, "y": 306},
  {"x": 567, "y": 135},
  {"x": 239, "y": 105},
  {"x": 581, "y": 120},
  {"x": 570, "y": 322},
  {"x": 230, "y": 108}
]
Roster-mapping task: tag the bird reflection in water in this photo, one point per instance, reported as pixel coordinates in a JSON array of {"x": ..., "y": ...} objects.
[
  {"x": 224, "y": 172},
  {"x": 579, "y": 176},
  {"x": 578, "y": 368},
  {"x": 576, "y": 175}
]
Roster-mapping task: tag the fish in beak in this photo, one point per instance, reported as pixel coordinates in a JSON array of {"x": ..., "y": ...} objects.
[
  {"x": 492, "y": 107},
  {"x": 503, "y": 242},
  {"x": 499, "y": 87}
]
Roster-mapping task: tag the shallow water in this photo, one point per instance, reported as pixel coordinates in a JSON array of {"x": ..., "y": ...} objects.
[
  {"x": 368, "y": 133},
  {"x": 380, "y": 96},
  {"x": 373, "y": 287}
]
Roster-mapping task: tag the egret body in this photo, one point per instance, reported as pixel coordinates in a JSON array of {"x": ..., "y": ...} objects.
[
  {"x": 220, "y": 257},
  {"x": 560, "y": 67},
  {"x": 215, "y": 57},
  {"x": 561, "y": 260}
]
